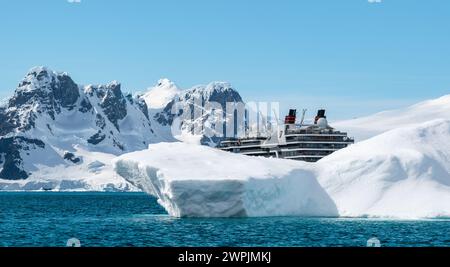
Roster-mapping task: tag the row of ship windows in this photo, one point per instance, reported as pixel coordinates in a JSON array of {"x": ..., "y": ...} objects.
[
  {"x": 296, "y": 139},
  {"x": 295, "y": 146},
  {"x": 240, "y": 144},
  {"x": 306, "y": 153},
  {"x": 316, "y": 138}
]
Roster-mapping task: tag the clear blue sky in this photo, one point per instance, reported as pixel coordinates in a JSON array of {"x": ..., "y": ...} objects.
[{"x": 350, "y": 56}]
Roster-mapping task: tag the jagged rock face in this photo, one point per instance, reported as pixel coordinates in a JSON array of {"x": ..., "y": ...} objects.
[
  {"x": 10, "y": 158},
  {"x": 52, "y": 91},
  {"x": 219, "y": 92},
  {"x": 111, "y": 101},
  {"x": 66, "y": 92},
  {"x": 51, "y": 105},
  {"x": 194, "y": 104},
  {"x": 140, "y": 103},
  {"x": 6, "y": 125},
  {"x": 40, "y": 92}
]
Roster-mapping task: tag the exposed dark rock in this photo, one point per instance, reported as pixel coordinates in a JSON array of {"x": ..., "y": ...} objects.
[
  {"x": 100, "y": 121},
  {"x": 10, "y": 148},
  {"x": 71, "y": 157},
  {"x": 7, "y": 124},
  {"x": 96, "y": 138},
  {"x": 143, "y": 107},
  {"x": 119, "y": 145},
  {"x": 113, "y": 103},
  {"x": 65, "y": 91},
  {"x": 167, "y": 116},
  {"x": 49, "y": 128},
  {"x": 129, "y": 97},
  {"x": 85, "y": 105}
]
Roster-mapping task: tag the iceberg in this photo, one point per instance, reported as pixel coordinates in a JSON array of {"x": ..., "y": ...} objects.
[
  {"x": 403, "y": 173},
  {"x": 199, "y": 181}
]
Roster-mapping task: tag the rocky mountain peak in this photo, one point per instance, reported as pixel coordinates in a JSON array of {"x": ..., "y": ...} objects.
[
  {"x": 165, "y": 83},
  {"x": 37, "y": 78},
  {"x": 46, "y": 87},
  {"x": 220, "y": 92},
  {"x": 103, "y": 92}
]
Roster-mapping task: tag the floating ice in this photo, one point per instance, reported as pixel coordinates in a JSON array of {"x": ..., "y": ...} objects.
[
  {"x": 403, "y": 173},
  {"x": 199, "y": 181}
]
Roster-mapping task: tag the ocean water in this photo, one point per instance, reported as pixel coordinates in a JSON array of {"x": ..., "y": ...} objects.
[{"x": 134, "y": 219}]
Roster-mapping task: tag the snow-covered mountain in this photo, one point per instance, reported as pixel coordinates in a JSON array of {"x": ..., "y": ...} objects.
[
  {"x": 51, "y": 122},
  {"x": 196, "y": 115},
  {"x": 366, "y": 127},
  {"x": 56, "y": 134},
  {"x": 159, "y": 96}
]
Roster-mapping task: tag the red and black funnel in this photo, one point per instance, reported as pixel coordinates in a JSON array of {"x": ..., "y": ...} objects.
[{"x": 290, "y": 119}]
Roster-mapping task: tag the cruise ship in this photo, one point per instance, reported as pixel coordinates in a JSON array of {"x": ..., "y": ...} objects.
[{"x": 296, "y": 141}]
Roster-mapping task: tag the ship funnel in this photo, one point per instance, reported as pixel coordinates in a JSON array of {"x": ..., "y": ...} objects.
[
  {"x": 290, "y": 119},
  {"x": 320, "y": 114}
]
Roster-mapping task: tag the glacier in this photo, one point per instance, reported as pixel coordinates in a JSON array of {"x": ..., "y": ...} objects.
[
  {"x": 403, "y": 173},
  {"x": 198, "y": 181}
]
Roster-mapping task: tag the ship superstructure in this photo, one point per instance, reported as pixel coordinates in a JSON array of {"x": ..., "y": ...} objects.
[{"x": 306, "y": 142}]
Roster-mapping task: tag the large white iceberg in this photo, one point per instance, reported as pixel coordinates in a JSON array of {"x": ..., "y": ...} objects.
[
  {"x": 403, "y": 173},
  {"x": 198, "y": 181}
]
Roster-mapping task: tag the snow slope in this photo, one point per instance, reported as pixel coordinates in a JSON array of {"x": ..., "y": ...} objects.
[
  {"x": 366, "y": 127},
  {"x": 94, "y": 173},
  {"x": 191, "y": 180},
  {"x": 403, "y": 173},
  {"x": 160, "y": 95}
]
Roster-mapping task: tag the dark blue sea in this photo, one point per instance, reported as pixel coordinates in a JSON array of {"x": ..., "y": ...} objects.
[{"x": 135, "y": 219}]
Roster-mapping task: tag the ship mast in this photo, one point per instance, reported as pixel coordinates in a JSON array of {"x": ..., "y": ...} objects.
[{"x": 303, "y": 116}]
